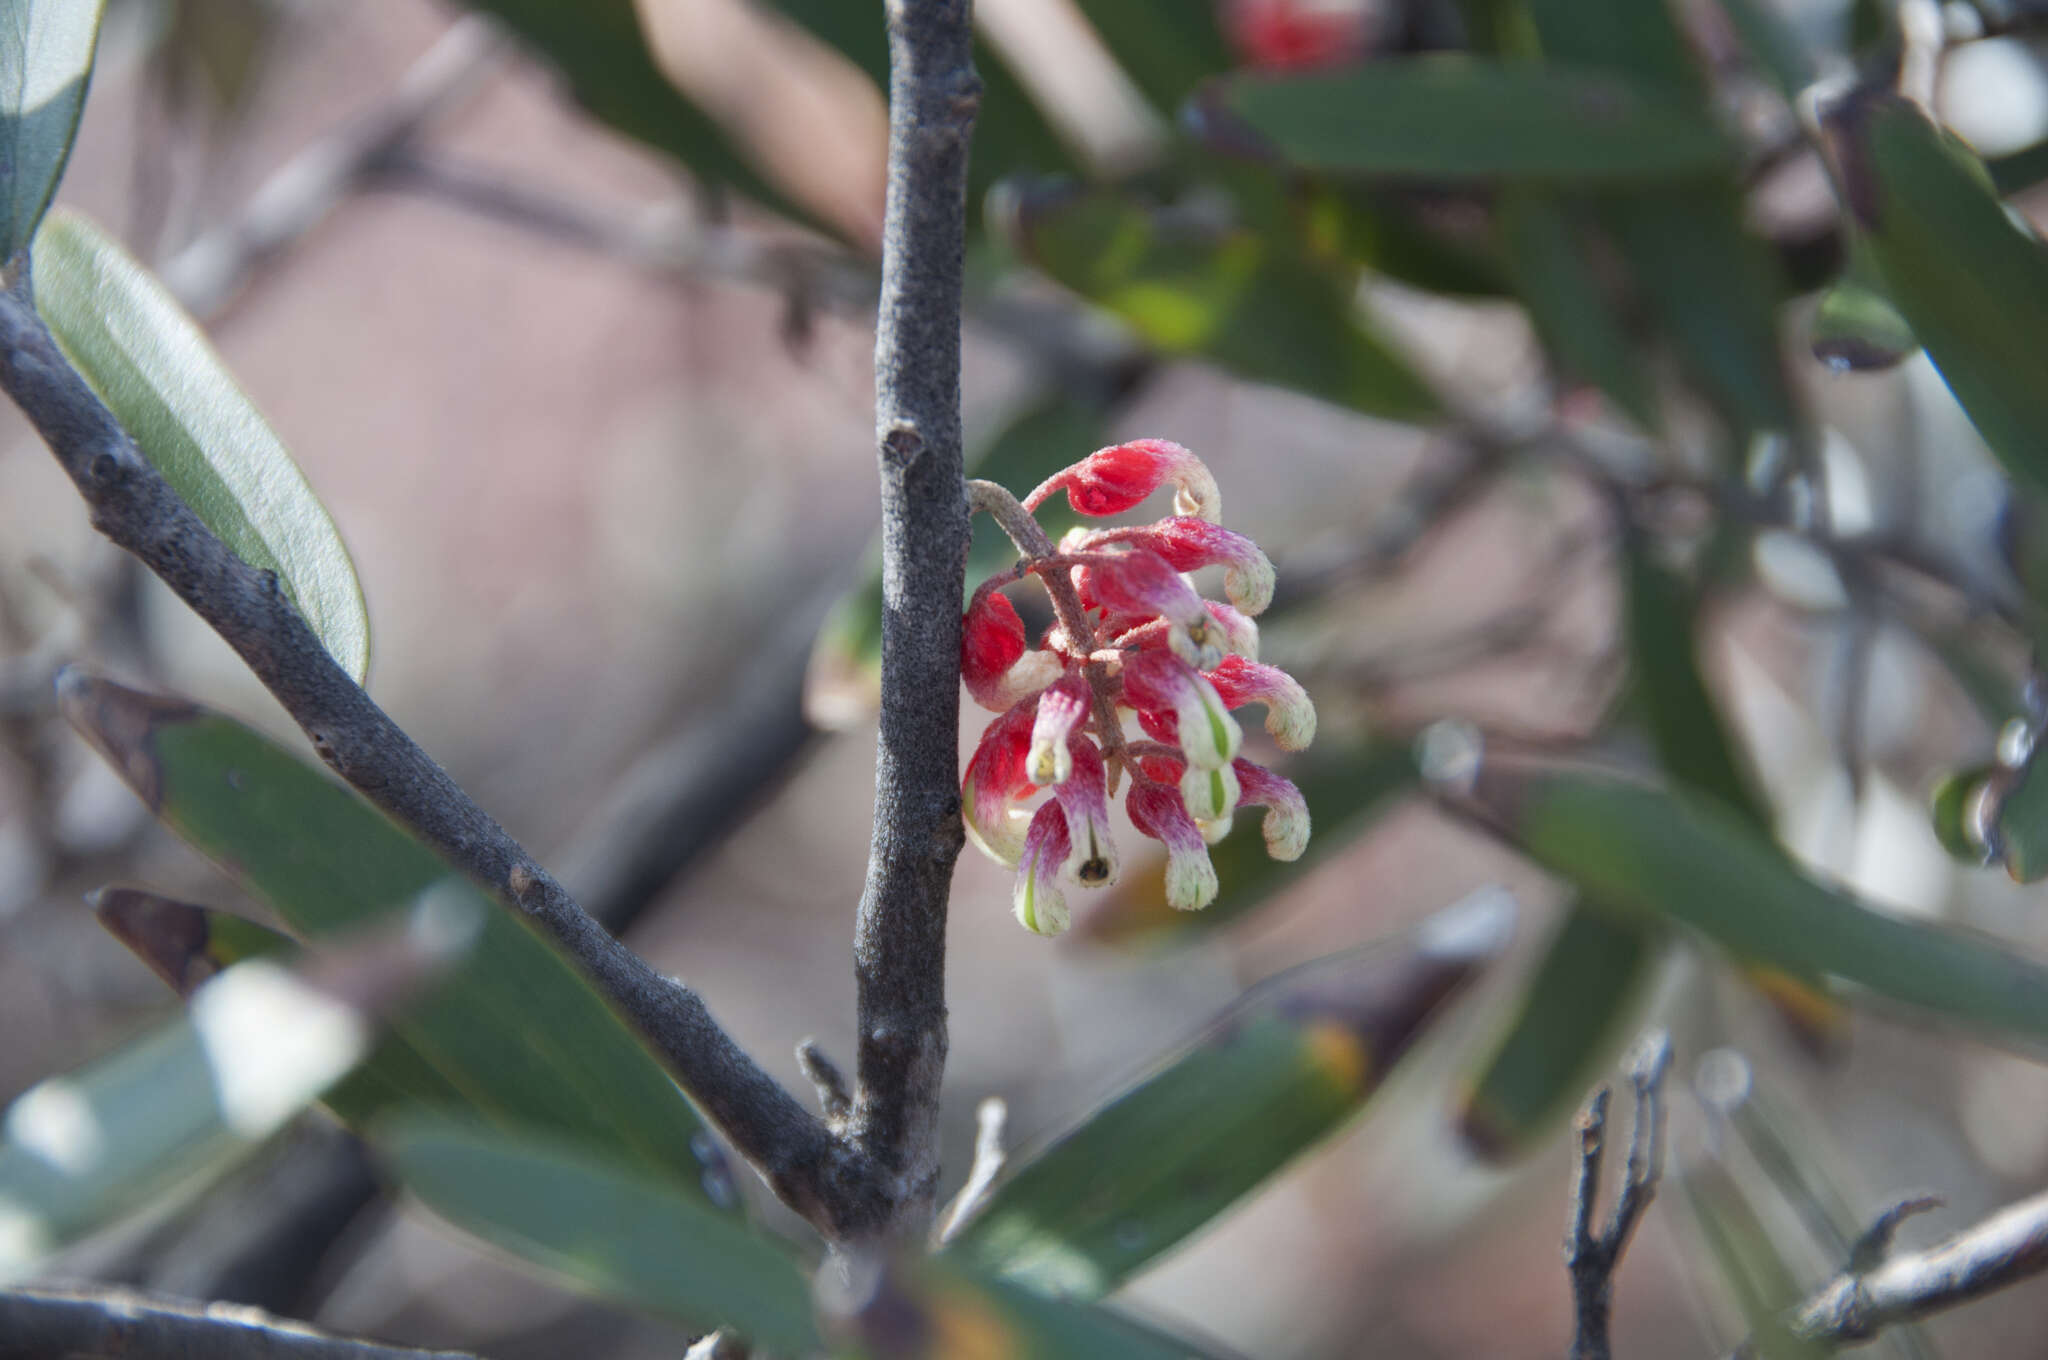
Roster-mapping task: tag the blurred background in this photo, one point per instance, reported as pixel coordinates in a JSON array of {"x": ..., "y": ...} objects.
[{"x": 587, "y": 387}]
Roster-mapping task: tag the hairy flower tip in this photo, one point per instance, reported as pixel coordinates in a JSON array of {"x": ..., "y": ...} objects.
[
  {"x": 1286, "y": 822},
  {"x": 1084, "y": 801},
  {"x": 1214, "y": 832},
  {"x": 1290, "y": 716},
  {"x": 993, "y": 661},
  {"x": 995, "y": 781},
  {"x": 1158, "y": 811},
  {"x": 1157, "y": 682},
  {"x": 1189, "y": 544},
  {"x": 1112, "y": 480},
  {"x": 1240, "y": 634},
  {"x": 1060, "y": 709},
  {"x": 1036, "y": 898},
  {"x": 1209, "y": 794}
]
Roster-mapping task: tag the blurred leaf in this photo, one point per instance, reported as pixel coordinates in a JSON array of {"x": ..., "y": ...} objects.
[
  {"x": 930, "y": 1309},
  {"x": 1636, "y": 38},
  {"x": 601, "y": 52},
  {"x": 1372, "y": 227},
  {"x": 515, "y": 1029},
  {"x": 1745, "y": 1261},
  {"x": 222, "y": 42},
  {"x": 2023, "y": 825},
  {"x": 1281, "y": 1068},
  {"x": 1950, "y": 812},
  {"x": 1011, "y": 135},
  {"x": 1445, "y": 117},
  {"x": 1633, "y": 848},
  {"x": 1061, "y": 426},
  {"x": 1231, "y": 296},
  {"x": 258, "y": 1045},
  {"x": 627, "y": 1238},
  {"x": 2019, "y": 170},
  {"x": 153, "y": 367},
  {"x": 46, "y": 54},
  {"x": 1856, "y": 328},
  {"x": 1347, "y": 791},
  {"x": 1567, "y": 1026},
  {"x": 1567, "y": 303},
  {"x": 1773, "y": 44},
  {"x": 1972, "y": 284},
  {"x": 1167, "y": 47}
]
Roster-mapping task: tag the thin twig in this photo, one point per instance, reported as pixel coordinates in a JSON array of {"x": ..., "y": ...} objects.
[
  {"x": 119, "y": 1322},
  {"x": 900, "y": 931},
  {"x": 824, "y": 1074},
  {"x": 2002, "y": 1250},
  {"x": 133, "y": 506},
  {"x": 989, "y": 1118},
  {"x": 1590, "y": 1257}
]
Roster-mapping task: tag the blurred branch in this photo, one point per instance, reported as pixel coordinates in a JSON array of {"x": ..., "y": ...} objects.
[
  {"x": 209, "y": 271},
  {"x": 1590, "y": 1257},
  {"x": 2002, "y": 1250},
  {"x": 89, "y": 1323},
  {"x": 133, "y": 505},
  {"x": 900, "y": 928}
]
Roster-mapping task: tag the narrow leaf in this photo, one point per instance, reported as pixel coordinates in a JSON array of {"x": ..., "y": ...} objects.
[
  {"x": 515, "y": 1034},
  {"x": 1167, "y": 47},
  {"x": 604, "y": 1226},
  {"x": 1744, "y": 1261},
  {"x": 1971, "y": 283},
  {"x": 2023, "y": 823},
  {"x": 1856, "y": 329},
  {"x": 1774, "y": 45},
  {"x": 1569, "y": 1023},
  {"x": 1280, "y": 1069},
  {"x": 1950, "y": 810},
  {"x": 46, "y": 55},
  {"x": 1656, "y": 854},
  {"x": 1450, "y": 118},
  {"x": 1567, "y": 303},
  {"x": 155, "y": 370}
]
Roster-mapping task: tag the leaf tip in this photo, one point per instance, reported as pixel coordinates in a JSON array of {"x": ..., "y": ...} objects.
[
  {"x": 171, "y": 937},
  {"x": 119, "y": 722}
]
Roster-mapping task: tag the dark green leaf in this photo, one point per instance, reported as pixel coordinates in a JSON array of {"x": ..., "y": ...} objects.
[
  {"x": 1296, "y": 1055},
  {"x": 2019, "y": 170},
  {"x": 1568, "y": 304},
  {"x": 1971, "y": 283},
  {"x": 1569, "y": 1023},
  {"x": 1856, "y": 328},
  {"x": 608, "y": 1227},
  {"x": 153, "y": 367},
  {"x": 2023, "y": 823},
  {"x": 1167, "y": 47},
  {"x": 1443, "y": 117},
  {"x": 1656, "y": 854},
  {"x": 1371, "y": 227},
  {"x": 1231, "y": 296},
  {"x": 515, "y": 1034},
  {"x": 1773, "y": 44},
  {"x": 46, "y": 54}
]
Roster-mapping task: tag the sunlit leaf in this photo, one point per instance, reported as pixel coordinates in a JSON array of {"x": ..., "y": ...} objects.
[
  {"x": 606, "y": 1227},
  {"x": 46, "y": 56},
  {"x": 1296, "y": 1055},
  {"x": 1449, "y": 118},
  {"x": 153, "y": 367},
  {"x": 515, "y": 1034}
]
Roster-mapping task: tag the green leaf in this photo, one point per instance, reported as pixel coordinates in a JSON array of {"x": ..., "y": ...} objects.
[
  {"x": 1949, "y": 809},
  {"x": 1971, "y": 283},
  {"x": 1654, "y": 854},
  {"x": 46, "y": 55},
  {"x": 1567, "y": 302},
  {"x": 1856, "y": 328},
  {"x": 153, "y": 367},
  {"x": 258, "y": 1045},
  {"x": 2023, "y": 823},
  {"x": 1450, "y": 118},
  {"x": 607, "y": 1227},
  {"x": 2019, "y": 170},
  {"x": 1773, "y": 45},
  {"x": 514, "y": 1034},
  {"x": 1569, "y": 1023},
  {"x": 1235, "y": 297},
  {"x": 1372, "y": 228},
  {"x": 1278, "y": 1070},
  {"x": 1167, "y": 47},
  {"x": 1347, "y": 792},
  {"x": 1745, "y": 1261}
]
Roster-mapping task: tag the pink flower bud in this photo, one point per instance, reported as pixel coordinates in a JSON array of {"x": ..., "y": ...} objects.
[
  {"x": 1139, "y": 584},
  {"x": 1240, "y": 634},
  {"x": 1157, "y": 682},
  {"x": 1286, "y": 822},
  {"x": 1157, "y": 811},
  {"x": 1036, "y": 897},
  {"x": 1290, "y": 716},
  {"x": 1084, "y": 801},
  {"x": 1060, "y": 708},
  {"x": 993, "y": 661},
  {"x": 995, "y": 781},
  {"x": 1112, "y": 480},
  {"x": 1189, "y": 544}
]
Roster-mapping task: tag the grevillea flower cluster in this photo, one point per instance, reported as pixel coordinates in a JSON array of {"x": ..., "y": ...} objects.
[{"x": 1129, "y": 636}]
